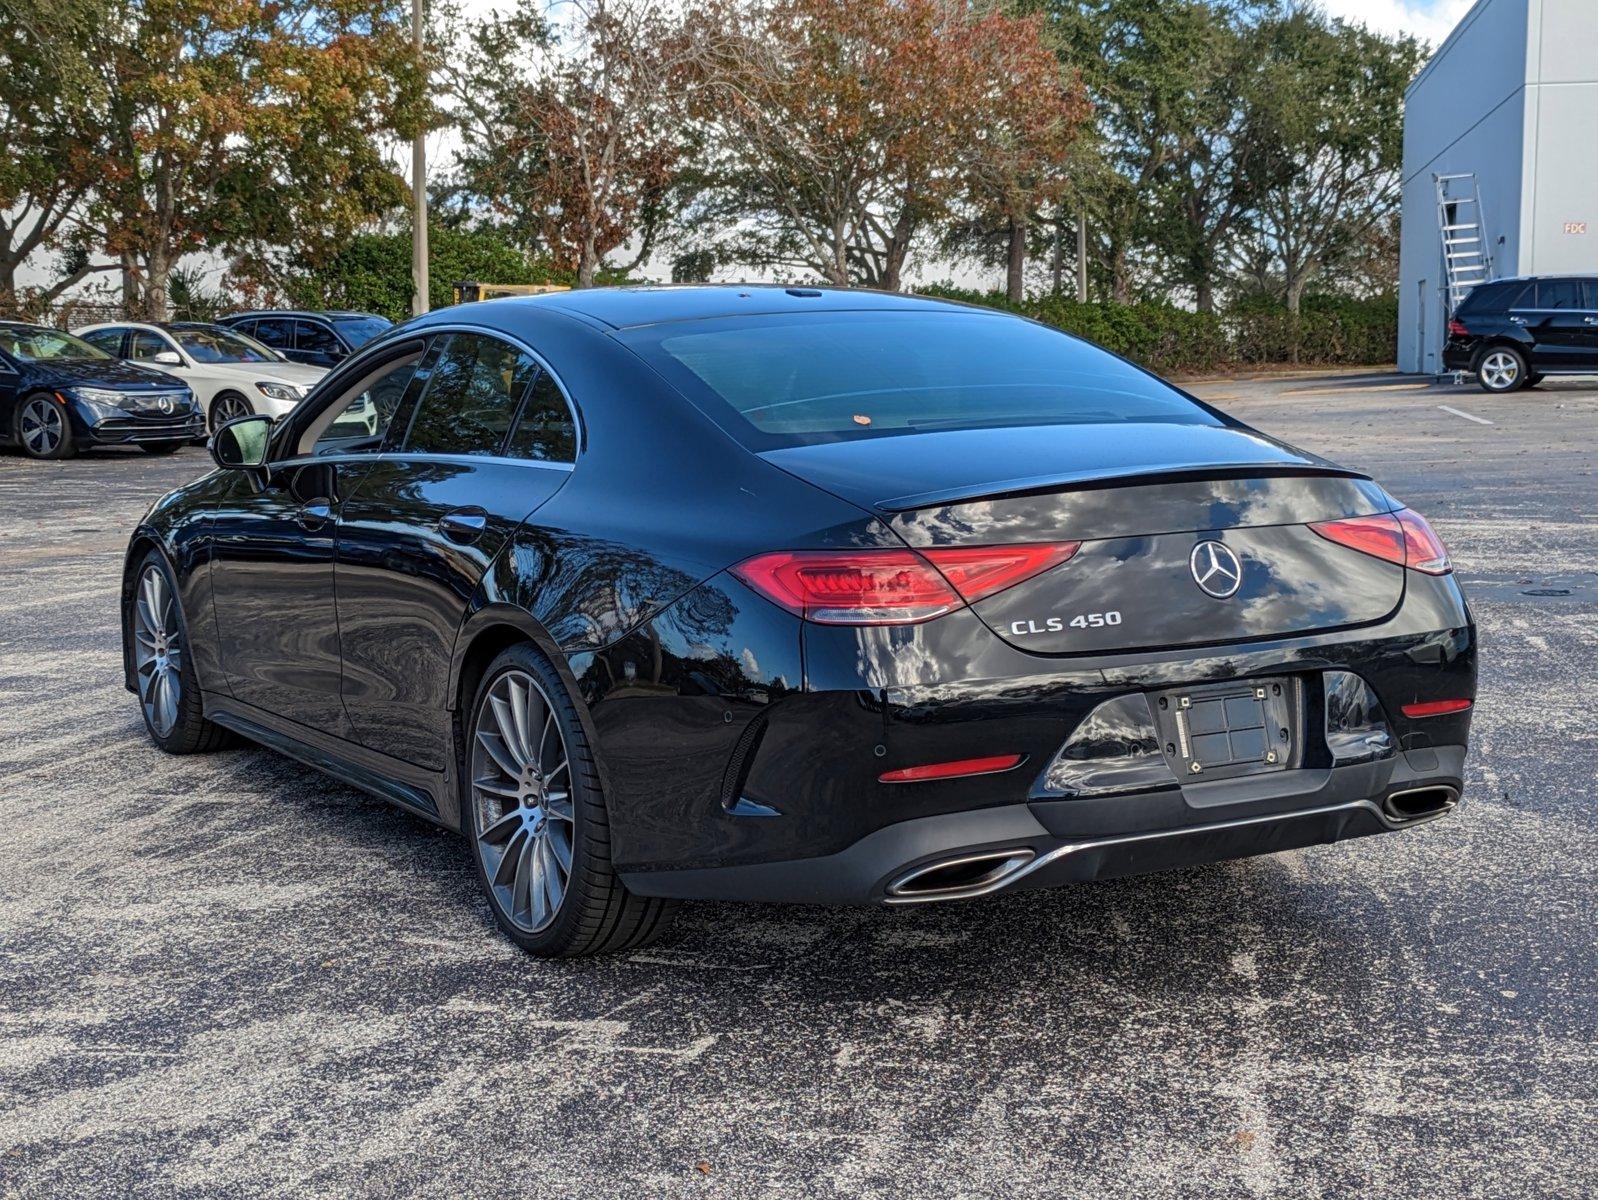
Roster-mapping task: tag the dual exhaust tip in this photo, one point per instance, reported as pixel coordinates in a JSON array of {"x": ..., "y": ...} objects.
[
  {"x": 960, "y": 878},
  {"x": 978, "y": 874},
  {"x": 1416, "y": 804}
]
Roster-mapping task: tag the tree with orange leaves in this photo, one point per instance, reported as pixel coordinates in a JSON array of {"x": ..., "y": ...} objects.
[{"x": 844, "y": 128}]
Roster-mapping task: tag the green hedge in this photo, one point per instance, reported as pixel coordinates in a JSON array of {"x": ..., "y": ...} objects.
[{"x": 1329, "y": 332}]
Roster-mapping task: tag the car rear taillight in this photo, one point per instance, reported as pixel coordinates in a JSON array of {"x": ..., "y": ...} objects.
[
  {"x": 1456, "y": 328},
  {"x": 1402, "y": 537},
  {"x": 892, "y": 587}
]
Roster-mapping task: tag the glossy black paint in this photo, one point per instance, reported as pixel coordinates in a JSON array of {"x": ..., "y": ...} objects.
[
  {"x": 728, "y": 731},
  {"x": 21, "y": 379}
]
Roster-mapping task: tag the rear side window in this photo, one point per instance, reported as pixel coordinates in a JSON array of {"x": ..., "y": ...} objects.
[
  {"x": 544, "y": 430},
  {"x": 471, "y": 399},
  {"x": 785, "y": 380},
  {"x": 109, "y": 340},
  {"x": 1492, "y": 298},
  {"x": 276, "y": 332},
  {"x": 1559, "y": 294}
]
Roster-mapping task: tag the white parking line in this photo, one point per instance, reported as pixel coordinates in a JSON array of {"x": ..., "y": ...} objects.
[{"x": 1466, "y": 415}]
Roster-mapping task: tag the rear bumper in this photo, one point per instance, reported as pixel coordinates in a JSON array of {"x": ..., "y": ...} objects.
[
  {"x": 1048, "y": 843},
  {"x": 1459, "y": 356}
]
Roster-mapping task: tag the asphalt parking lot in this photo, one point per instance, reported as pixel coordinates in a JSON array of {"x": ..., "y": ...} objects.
[{"x": 229, "y": 975}]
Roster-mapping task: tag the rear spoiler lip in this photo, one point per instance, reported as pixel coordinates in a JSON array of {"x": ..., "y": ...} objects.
[{"x": 1096, "y": 480}]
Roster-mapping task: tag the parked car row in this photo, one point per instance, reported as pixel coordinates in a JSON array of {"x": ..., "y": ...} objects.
[{"x": 160, "y": 385}]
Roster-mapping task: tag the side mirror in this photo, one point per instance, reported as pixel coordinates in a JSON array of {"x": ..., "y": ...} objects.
[
  {"x": 241, "y": 444},
  {"x": 166, "y": 358}
]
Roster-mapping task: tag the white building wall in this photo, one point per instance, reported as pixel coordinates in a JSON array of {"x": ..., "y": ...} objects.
[
  {"x": 1465, "y": 113},
  {"x": 1512, "y": 97}
]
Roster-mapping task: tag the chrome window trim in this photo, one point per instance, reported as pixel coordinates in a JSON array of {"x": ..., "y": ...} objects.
[
  {"x": 473, "y": 460},
  {"x": 512, "y": 339}
]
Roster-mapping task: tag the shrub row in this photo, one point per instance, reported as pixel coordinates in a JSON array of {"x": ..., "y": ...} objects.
[{"x": 1330, "y": 331}]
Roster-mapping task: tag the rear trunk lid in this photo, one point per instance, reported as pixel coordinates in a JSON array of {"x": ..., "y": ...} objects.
[{"x": 1190, "y": 535}]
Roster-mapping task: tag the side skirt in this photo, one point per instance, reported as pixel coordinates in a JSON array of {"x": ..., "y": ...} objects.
[{"x": 400, "y": 783}]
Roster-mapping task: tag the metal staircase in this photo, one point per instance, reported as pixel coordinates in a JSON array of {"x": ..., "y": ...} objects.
[{"x": 1466, "y": 258}]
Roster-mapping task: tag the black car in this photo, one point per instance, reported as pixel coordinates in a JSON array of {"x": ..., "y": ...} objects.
[
  {"x": 58, "y": 393},
  {"x": 800, "y": 594},
  {"x": 322, "y": 339},
  {"x": 1512, "y": 332}
]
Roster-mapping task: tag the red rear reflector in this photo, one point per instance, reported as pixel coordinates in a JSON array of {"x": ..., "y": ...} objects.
[
  {"x": 1436, "y": 708},
  {"x": 892, "y": 587},
  {"x": 1402, "y": 537},
  {"x": 952, "y": 770},
  {"x": 1457, "y": 329}
]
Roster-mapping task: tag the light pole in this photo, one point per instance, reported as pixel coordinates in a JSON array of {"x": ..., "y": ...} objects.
[{"x": 418, "y": 189}]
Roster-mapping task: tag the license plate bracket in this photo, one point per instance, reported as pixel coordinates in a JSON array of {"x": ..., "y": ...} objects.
[{"x": 1223, "y": 730}]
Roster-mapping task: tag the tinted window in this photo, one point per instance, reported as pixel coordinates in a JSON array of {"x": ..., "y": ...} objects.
[
  {"x": 831, "y": 376},
  {"x": 109, "y": 340},
  {"x": 365, "y": 417},
  {"x": 312, "y": 337},
  {"x": 1559, "y": 293},
  {"x": 360, "y": 330},
  {"x": 544, "y": 428},
  {"x": 1490, "y": 298},
  {"x": 471, "y": 397},
  {"x": 1590, "y": 291},
  {"x": 147, "y": 345},
  {"x": 276, "y": 332}
]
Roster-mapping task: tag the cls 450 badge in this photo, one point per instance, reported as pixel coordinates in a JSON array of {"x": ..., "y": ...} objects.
[{"x": 1095, "y": 620}]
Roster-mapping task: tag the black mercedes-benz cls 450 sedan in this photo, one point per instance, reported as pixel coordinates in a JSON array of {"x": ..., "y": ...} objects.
[
  {"x": 58, "y": 394},
  {"x": 797, "y": 594}
]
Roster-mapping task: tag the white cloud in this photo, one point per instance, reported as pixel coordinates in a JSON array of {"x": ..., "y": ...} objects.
[{"x": 1431, "y": 20}]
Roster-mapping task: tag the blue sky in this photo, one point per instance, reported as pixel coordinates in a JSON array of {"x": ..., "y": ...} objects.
[{"x": 1428, "y": 19}]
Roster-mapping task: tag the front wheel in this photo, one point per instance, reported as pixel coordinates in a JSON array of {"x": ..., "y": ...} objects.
[
  {"x": 1501, "y": 369},
  {"x": 227, "y": 407},
  {"x": 169, "y": 689},
  {"x": 535, "y": 815},
  {"x": 43, "y": 428}
]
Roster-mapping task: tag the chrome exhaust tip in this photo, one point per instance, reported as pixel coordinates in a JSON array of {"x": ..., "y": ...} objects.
[
  {"x": 959, "y": 878},
  {"x": 1416, "y": 804}
]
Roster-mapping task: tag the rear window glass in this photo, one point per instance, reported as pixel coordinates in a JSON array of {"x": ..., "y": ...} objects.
[
  {"x": 793, "y": 380},
  {"x": 1561, "y": 293}
]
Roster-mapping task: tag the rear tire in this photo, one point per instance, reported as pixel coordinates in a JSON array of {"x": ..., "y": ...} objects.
[
  {"x": 1502, "y": 369},
  {"x": 43, "y": 428},
  {"x": 533, "y": 809}
]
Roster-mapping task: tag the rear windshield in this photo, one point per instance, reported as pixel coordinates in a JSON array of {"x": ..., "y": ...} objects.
[
  {"x": 360, "y": 330},
  {"x": 794, "y": 380}
]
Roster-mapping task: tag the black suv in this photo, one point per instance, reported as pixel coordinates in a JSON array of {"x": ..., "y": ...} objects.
[
  {"x": 322, "y": 339},
  {"x": 1511, "y": 332}
]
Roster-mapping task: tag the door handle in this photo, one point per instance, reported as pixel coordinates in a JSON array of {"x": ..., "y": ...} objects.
[
  {"x": 1517, "y": 320},
  {"x": 1589, "y": 320},
  {"x": 464, "y": 524},
  {"x": 314, "y": 514}
]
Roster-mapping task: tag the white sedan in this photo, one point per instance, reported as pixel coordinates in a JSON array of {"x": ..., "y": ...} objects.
[{"x": 231, "y": 375}]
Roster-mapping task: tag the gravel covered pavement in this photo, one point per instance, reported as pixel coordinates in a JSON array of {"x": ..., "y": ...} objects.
[{"x": 227, "y": 975}]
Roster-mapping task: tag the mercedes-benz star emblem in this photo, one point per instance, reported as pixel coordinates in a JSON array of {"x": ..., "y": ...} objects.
[
  {"x": 167, "y": 404},
  {"x": 1215, "y": 569}
]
